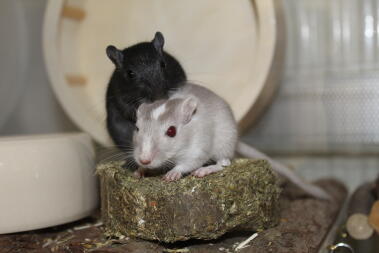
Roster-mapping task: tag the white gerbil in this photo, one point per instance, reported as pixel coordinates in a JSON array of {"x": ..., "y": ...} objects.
[{"x": 191, "y": 128}]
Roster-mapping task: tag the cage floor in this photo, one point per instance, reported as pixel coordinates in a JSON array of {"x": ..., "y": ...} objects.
[
  {"x": 304, "y": 224},
  {"x": 352, "y": 170}
]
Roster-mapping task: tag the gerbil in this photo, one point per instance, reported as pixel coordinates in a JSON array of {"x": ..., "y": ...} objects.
[
  {"x": 190, "y": 128},
  {"x": 144, "y": 73}
]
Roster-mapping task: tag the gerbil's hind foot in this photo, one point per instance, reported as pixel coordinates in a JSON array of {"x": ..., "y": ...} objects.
[
  {"x": 203, "y": 171},
  {"x": 172, "y": 175}
]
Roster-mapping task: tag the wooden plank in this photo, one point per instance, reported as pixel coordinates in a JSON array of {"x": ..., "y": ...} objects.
[
  {"x": 75, "y": 80},
  {"x": 74, "y": 13}
]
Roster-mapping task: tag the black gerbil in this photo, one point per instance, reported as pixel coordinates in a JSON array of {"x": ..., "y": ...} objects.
[{"x": 144, "y": 73}]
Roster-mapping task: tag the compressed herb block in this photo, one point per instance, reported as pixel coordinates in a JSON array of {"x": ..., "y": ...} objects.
[{"x": 242, "y": 197}]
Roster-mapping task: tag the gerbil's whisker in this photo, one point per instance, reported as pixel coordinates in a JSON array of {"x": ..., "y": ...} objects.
[
  {"x": 168, "y": 164},
  {"x": 134, "y": 101},
  {"x": 105, "y": 152},
  {"x": 111, "y": 147},
  {"x": 129, "y": 163},
  {"x": 197, "y": 82},
  {"x": 115, "y": 157}
]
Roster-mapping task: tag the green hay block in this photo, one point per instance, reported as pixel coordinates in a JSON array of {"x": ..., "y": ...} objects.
[{"x": 242, "y": 197}]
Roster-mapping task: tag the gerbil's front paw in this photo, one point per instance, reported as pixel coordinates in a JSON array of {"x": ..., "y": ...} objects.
[
  {"x": 139, "y": 173},
  {"x": 172, "y": 175}
]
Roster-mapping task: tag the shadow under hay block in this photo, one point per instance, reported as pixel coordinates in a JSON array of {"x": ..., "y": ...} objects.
[{"x": 242, "y": 197}]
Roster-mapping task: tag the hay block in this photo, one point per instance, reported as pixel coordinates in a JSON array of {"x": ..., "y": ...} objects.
[{"x": 242, "y": 197}]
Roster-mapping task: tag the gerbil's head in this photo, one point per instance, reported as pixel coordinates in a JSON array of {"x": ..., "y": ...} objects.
[
  {"x": 163, "y": 131},
  {"x": 148, "y": 68}
]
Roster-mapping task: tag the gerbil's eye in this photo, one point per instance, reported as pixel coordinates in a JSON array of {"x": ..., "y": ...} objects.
[
  {"x": 131, "y": 74},
  {"x": 171, "y": 131},
  {"x": 137, "y": 129},
  {"x": 163, "y": 64}
]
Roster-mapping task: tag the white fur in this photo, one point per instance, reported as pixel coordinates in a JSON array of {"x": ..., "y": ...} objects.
[
  {"x": 209, "y": 133},
  {"x": 147, "y": 151},
  {"x": 159, "y": 111}
]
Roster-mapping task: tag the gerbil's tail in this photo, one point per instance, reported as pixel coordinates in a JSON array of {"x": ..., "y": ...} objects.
[{"x": 313, "y": 190}]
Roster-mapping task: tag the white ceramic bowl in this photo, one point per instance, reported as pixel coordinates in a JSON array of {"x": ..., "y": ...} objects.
[
  {"x": 228, "y": 46},
  {"x": 46, "y": 180}
]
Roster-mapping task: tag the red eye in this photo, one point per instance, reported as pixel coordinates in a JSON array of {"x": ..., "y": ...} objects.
[{"x": 171, "y": 131}]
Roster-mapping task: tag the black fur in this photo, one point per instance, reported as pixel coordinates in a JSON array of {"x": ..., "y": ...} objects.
[{"x": 144, "y": 73}]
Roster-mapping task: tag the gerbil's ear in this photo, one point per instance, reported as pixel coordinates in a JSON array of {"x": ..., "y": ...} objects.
[
  {"x": 189, "y": 107},
  {"x": 158, "y": 42},
  {"x": 115, "y": 56},
  {"x": 141, "y": 110}
]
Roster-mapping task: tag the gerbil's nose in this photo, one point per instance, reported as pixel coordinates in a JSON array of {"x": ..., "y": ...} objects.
[{"x": 144, "y": 161}]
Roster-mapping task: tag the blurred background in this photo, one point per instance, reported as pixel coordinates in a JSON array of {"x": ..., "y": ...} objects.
[
  {"x": 323, "y": 119},
  {"x": 28, "y": 105}
]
